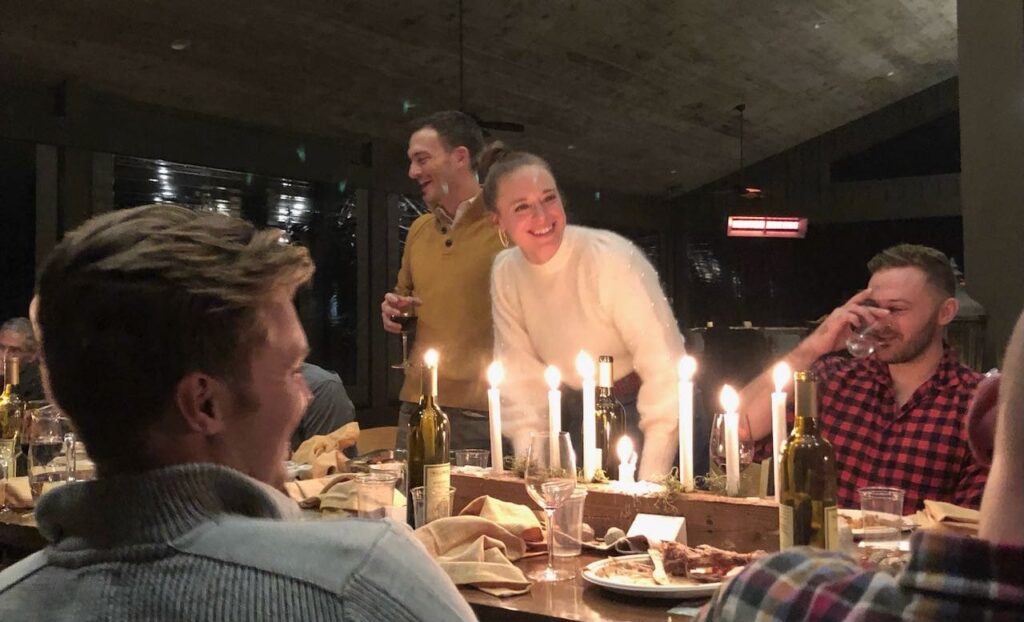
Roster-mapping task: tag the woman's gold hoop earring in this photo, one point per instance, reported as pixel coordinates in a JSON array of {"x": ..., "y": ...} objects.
[{"x": 503, "y": 237}]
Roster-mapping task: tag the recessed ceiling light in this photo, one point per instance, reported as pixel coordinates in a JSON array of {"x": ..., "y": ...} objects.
[
  {"x": 672, "y": 172},
  {"x": 180, "y": 44},
  {"x": 890, "y": 74},
  {"x": 571, "y": 147},
  {"x": 817, "y": 25}
]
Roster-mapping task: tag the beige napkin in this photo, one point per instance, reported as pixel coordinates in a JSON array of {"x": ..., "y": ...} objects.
[
  {"x": 478, "y": 552},
  {"x": 324, "y": 451},
  {"x": 330, "y": 494},
  {"x": 515, "y": 518},
  {"x": 942, "y": 515},
  {"x": 15, "y": 493}
]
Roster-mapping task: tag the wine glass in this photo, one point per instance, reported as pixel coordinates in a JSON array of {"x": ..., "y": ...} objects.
[
  {"x": 717, "y": 444},
  {"x": 550, "y": 481},
  {"x": 406, "y": 318}
]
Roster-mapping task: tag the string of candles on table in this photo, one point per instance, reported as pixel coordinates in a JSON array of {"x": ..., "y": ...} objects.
[{"x": 687, "y": 368}]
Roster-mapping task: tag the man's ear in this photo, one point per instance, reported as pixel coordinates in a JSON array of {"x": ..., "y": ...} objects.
[
  {"x": 202, "y": 402},
  {"x": 461, "y": 156},
  {"x": 948, "y": 310}
]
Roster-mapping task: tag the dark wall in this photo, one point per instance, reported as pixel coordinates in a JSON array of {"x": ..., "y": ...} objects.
[
  {"x": 784, "y": 282},
  {"x": 17, "y": 227}
]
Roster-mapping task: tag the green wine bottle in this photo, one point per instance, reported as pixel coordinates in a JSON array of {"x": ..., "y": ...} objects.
[
  {"x": 807, "y": 495},
  {"x": 611, "y": 418},
  {"x": 428, "y": 446}
]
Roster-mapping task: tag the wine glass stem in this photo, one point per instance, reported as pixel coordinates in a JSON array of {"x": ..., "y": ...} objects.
[
  {"x": 405, "y": 349},
  {"x": 550, "y": 512}
]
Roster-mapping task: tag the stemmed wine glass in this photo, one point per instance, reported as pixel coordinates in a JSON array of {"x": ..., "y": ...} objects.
[
  {"x": 406, "y": 318},
  {"x": 550, "y": 480}
]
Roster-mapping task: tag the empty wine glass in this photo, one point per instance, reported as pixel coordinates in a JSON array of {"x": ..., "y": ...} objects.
[
  {"x": 550, "y": 481},
  {"x": 406, "y": 318}
]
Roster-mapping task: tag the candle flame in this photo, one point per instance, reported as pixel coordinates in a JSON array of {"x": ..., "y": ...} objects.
[
  {"x": 585, "y": 365},
  {"x": 624, "y": 449},
  {"x": 495, "y": 374},
  {"x": 687, "y": 368},
  {"x": 552, "y": 377},
  {"x": 730, "y": 399},
  {"x": 430, "y": 358},
  {"x": 781, "y": 375}
]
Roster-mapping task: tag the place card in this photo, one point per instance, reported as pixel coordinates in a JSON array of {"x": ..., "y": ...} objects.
[{"x": 659, "y": 527}]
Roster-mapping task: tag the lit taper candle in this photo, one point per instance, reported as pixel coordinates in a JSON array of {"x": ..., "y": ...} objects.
[
  {"x": 687, "y": 368},
  {"x": 495, "y": 375},
  {"x": 585, "y": 368},
  {"x": 781, "y": 375}
]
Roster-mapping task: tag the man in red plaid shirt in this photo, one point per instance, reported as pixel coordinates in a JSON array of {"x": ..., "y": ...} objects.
[{"x": 896, "y": 417}]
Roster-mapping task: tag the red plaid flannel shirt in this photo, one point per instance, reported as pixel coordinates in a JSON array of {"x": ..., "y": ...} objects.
[{"x": 920, "y": 447}]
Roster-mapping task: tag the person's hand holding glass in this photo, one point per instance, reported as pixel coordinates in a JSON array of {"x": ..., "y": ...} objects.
[
  {"x": 855, "y": 326},
  {"x": 550, "y": 481},
  {"x": 398, "y": 314}
]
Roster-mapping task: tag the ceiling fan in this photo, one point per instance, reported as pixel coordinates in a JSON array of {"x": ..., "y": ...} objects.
[
  {"x": 750, "y": 192},
  {"x": 501, "y": 126}
]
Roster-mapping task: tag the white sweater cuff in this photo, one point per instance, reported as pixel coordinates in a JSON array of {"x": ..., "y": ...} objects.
[{"x": 660, "y": 447}]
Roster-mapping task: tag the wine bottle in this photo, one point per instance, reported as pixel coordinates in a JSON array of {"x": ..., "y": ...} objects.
[
  {"x": 12, "y": 407},
  {"x": 807, "y": 497},
  {"x": 428, "y": 446},
  {"x": 611, "y": 418}
]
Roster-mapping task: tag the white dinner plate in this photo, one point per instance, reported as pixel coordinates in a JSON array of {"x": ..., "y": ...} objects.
[{"x": 642, "y": 588}]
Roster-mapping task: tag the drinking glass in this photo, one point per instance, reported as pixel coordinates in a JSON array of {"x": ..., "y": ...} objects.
[
  {"x": 550, "y": 480},
  {"x": 863, "y": 342},
  {"x": 717, "y": 442},
  {"x": 406, "y": 318},
  {"x": 45, "y": 443},
  {"x": 8, "y": 457}
]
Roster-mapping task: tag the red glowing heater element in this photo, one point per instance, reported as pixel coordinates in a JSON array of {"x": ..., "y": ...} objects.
[{"x": 766, "y": 227}]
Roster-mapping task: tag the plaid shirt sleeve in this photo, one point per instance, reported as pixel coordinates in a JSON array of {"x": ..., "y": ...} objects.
[{"x": 948, "y": 578}]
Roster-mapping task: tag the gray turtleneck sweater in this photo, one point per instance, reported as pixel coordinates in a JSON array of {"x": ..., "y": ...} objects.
[{"x": 202, "y": 542}]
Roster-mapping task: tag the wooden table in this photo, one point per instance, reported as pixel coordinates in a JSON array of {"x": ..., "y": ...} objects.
[{"x": 573, "y": 599}]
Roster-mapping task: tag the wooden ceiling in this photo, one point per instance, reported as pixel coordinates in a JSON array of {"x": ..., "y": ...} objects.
[{"x": 632, "y": 95}]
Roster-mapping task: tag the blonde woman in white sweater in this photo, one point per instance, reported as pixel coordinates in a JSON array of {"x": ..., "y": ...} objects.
[{"x": 561, "y": 289}]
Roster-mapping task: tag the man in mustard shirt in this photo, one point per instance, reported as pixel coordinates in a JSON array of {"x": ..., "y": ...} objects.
[{"x": 445, "y": 273}]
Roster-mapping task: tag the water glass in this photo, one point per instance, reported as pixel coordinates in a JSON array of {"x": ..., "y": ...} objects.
[
  {"x": 881, "y": 511},
  {"x": 375, "y": 493},
  {"x": 567, "y": 530},
  {"x": 46, "y": 443},
  {"x": 417, "y": 497},
  {"x": 398, "y": 469},
  {"x": 550, "y": 481},
  {"x": 472, "y": 458}
]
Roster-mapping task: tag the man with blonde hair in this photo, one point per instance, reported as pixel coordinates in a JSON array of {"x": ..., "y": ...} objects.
[{"x": 170, "y": 339}]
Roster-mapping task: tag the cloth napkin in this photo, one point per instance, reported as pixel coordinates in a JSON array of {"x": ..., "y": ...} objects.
[
  {"x": 515, "y": 518},
  {"x": 942, "y": 515},
  {"x": 476, "y": 551},
  {"x": 330, "y": 494},
  {"x": 324, "y": 451},
  {"x": 16, "y": 493}
]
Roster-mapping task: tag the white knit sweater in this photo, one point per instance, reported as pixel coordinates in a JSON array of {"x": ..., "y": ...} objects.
[{"x": 600, "y": 294}]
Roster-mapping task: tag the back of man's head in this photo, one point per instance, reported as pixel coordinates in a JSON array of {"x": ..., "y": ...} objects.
[
  {"x": 455, "y": 129},
  {"x": 932, "y": 262},
  {"x": 132, "y": 301}
]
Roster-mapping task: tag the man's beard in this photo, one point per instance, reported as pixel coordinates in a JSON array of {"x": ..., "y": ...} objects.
[{"x": 916, "y": 344}]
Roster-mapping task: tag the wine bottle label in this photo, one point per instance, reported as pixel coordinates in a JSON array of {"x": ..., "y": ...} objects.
[
  {"x": 437, "y": 481},
  {"x": 832, "y": 528},
  {"x": 785, "y": 527}
]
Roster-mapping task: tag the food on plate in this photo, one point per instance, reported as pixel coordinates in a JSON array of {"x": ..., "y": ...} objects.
[
  {"x": 704, "y": 563},
  {"x": 888, "y": 560}
]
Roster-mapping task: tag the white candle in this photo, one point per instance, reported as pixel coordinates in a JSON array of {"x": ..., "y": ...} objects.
[
  {"x": 731, "y": 402},
  {"x": 585, "y": 368},
  {"x": 780, "y": 374},
  {"x": 554, "y": 380},
  {"x": 495, "y": 374},
  {"x": 627, "y": 460},
  {"x": 687, "y": 367}
]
